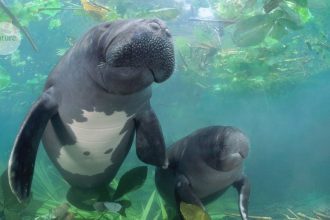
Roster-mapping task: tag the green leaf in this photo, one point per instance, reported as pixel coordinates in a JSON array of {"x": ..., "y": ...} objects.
[
  {"x": 287, "y": 23},
  {"x": 278, "y": 31},
  {"x": 302, "y": 3},
  {"x": 304, "y": 13},
  {"x": 271, "y": 5},
  {"x": 146, "y": 211},
  {"x": 252, "y": 31},
  {"x": 50, "y": 4},
  {"x": 131, "y": 181},
  {"x": 54, "y": 23},
  {"x": 4, "y": 79},
  {"x": 164, "y": 13},
  {"x": 162, "y": 208},
  {"x": 297, "y": 13},
  {"x": 190, "y": 211}
]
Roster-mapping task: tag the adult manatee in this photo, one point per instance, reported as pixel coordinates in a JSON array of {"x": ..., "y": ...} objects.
[{"x": 94, "y": 102}]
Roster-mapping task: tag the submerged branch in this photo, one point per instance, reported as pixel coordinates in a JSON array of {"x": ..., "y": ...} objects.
[
  {"x": 183, "y": 60},
  {"x": 322, "y": 215},
  {"x": 303, "y": 216},
  {"x": 60, "y": 9},
  {"x": 224, "y": 22},
  {"x": 18, "y": 24},
  {"x": 251, "y": 216}
]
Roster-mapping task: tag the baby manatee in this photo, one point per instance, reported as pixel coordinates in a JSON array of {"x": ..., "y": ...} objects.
[{"x": 202, "y": 166}]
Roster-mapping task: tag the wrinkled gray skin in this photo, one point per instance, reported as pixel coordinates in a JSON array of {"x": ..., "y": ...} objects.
[
  {"x": 202, "y": 166},
  {"x": 109, "y": 70}
]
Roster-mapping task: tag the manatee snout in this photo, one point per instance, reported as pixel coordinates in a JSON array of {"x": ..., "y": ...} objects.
[
  {"x": 238, "y": 143},
  {"x": 234, "y": 150},
  {"x": 227, "y": 147},
  {"x": 143, "y": 43}
]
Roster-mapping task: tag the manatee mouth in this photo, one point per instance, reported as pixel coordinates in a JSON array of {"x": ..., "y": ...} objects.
[
  {"x": 242, "y": 155},
  {"x": 143, "y": 46},
  {"x": 153, "y": 74},
  {"x": 160, "y": 77}
]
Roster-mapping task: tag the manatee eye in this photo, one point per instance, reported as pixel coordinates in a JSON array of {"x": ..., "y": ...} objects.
[{"x": 154, "y": 26}]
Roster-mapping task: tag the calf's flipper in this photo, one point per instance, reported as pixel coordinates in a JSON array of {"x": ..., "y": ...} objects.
[
  {"x": 243, "y": 188},
  {"x": 184, "y": 192}
]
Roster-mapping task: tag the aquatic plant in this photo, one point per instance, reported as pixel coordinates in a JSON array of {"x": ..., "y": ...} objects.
[
  {"x": 47, "y": 183},
  {"x": 36, "y": 83},
  {"x": 166, "y": 14},
  {"x": 229, "y": 9},
  {"x": 99, "y": 11},
  {"x": 275, "y": 23},
  {"x": 16, "y": 59},
  {"x": 162, "y": 207},
  {"x": 147, "y": 208},
  {"x": 54, "y": 23},
  {"x": 255, "y": 68},
  {"x": 16, "y": 22},
  {"x": 5, "y": 79},
  {"x": 10, "y": 208},
  {"x": 318, "y": 215},
  {"x": 267, "y": 50},
  {"x": 61, "y": 51},
  {"x": 52, "y": 194},
  {"x": 190, "y": 211}
]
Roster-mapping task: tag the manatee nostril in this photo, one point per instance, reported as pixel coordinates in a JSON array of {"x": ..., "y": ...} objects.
[
  {"x": 167, "y": 32},
  {"x": 154, "y": 26}
]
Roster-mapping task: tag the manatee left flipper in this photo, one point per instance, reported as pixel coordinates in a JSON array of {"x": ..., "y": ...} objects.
[
  {"x": 24, "y": 152},
  {"x": 150, "y": 144},
  {"x": 131, "y": 181},
  {"x": 184, "y": 192},
  {"x": 185, "y": 195},
  {"x": 243, "y": 188}
]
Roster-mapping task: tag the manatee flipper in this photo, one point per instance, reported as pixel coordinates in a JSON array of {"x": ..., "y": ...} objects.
[
  {"x": 24, "y": 152},
  {"x": 243, "y": 188},
  {"x": 130, "y": 181},
  {"x": 184, "y": 194},
  {"x": 8, "y": 199},
  {"x": 150, "y": 145}
]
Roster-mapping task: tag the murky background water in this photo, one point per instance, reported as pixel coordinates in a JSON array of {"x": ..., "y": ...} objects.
[{"x": 262, "y": 66}]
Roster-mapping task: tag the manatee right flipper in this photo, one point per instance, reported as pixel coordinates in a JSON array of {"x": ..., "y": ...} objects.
[
  {"x": 184, "y": 195},
  {"x": 24, "y": 152},
  {"x": 243, "y": 188},
  {"x": 150, "y": 144}
]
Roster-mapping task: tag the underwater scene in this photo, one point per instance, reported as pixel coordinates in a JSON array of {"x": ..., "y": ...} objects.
[{"x": 154, "y": 109}]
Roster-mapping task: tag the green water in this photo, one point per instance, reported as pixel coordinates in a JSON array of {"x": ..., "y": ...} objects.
[{"x": 274, "y": 87}]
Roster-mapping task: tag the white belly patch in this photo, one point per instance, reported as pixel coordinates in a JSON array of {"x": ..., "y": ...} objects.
[{"x": 96, "y": 140}]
